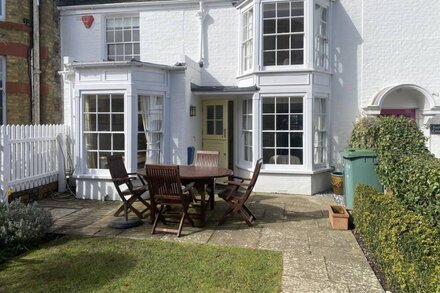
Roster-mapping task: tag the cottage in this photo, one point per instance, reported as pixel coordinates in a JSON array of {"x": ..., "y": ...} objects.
[{"x": 281, "y": 80}]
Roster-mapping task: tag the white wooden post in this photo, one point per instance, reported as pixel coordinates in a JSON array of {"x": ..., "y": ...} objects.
[
  {"x": 6, "y": 162},
  {"x": 61, "y": 167}
]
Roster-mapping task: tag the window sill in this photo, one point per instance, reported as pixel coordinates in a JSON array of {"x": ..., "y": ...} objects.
[
  {"x": 295, "y": 171},
  {"x": 93, "y": 176},
  {"x": 283, "y": 70}
]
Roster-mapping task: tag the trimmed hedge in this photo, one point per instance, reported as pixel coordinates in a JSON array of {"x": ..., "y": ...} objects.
[
  {"x": 405, "y": 165},
  {"x": 403, "y": 242}
]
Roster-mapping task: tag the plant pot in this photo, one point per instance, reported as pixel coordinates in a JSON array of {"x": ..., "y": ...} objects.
[
  {"x": 338, "y": 217},
  {"x": 337, "y": 182}
]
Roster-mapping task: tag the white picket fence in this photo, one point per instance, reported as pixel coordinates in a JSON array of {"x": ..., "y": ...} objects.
[{"x": 31, "y": 156}]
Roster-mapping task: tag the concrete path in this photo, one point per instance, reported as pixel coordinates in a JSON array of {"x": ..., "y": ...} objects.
[{"x": 315, "y": 257}]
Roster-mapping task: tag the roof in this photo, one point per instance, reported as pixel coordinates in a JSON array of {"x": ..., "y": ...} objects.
[
  {"x": 90, "y": 2},
  {"x": 223, "y": 89}
]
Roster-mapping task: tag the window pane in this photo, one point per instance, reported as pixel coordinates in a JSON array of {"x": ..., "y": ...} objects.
[
  {"x": 142, "y": 141},
  {"x": 269, "y": 58},
  {"x": 219, "y": 112},
  {"x": 269, "y": 105},
  {"x": 296, "y": 122},
  {"x": 268, "y": 139},
  {"x": 90, "y": 122},
  {"x": 92, "y": 160},
  {"x": 283, "y": 26},
  {"x": 269, "y": 42},
  {"x": 297, "y": 41},
  {"x": 210, "y": 127},
  {"x": 283, "y": 9},
  {"x": 127, "y": 35},
  {"x": 282, "y": 105},
  {"x": 296, "y": 156},
  {"x": 297, "y": 57},
  {"x": 283, "y": 58},
  {"x": 269, "y": 10},
  {"x": 90, "y": 103},
  {"x": 296, "y": 139},
  {"x": 282, "y": 139},
  {"x": 282, "y": 122},
  {"x": 118, "y": 141},
  {"x": 103, "y": 103},
  {"x": 117, "y": 122},
  {"x": 105, "y": 141},
  {"x": 283, "y": 42},
  {"x": 210, "y": 112},
  {"x": 110, "y": 37},
  {"x": 117, "y": 103},
  {"x": 269, "y": 26},
  {"x": 297, "y": 8},
  {"x": 91, "y": 141},
  {"x": 267, "y": 155},
  {"x": 296, "y": 105},
  {"x": 218, "y": 127},
  {"x": 268, "y": 122},
  {"x": 103, "y": 122},
  {"x": 297, "y": 24},
  {"x": 118, "y": 36}
]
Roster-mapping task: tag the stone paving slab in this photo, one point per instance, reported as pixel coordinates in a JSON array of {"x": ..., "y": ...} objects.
[{"x": 315, "y": 257}]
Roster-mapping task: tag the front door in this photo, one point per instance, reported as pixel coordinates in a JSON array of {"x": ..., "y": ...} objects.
[{"x": 215, "y": 129}]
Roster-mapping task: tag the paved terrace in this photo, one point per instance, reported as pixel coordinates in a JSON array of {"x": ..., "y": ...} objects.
[{"x": 315, "y": 257}]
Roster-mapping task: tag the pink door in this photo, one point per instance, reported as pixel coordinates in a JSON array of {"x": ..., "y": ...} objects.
[{"x": 410, "y": 113}]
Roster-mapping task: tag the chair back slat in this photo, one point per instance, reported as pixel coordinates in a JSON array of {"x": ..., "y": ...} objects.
[
  {"x": 253, "y": 180},
  {"x": 117, "y": 170},
  {"x": 207, "y": 159},
  {"x": 163, "y": 180}
]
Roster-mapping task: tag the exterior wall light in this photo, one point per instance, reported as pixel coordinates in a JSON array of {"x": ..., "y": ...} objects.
[{"x": 192, "y": 111}]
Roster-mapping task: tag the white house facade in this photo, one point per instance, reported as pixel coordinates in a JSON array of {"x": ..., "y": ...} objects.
[{"x": 278, "y": 80}]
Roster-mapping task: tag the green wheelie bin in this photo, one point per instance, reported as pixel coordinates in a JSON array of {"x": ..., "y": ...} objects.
[{"x": 359, "y": 168}]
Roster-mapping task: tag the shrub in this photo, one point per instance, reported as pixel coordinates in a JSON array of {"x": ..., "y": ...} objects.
[
  {"x": 402, "y": 242},
  {"x": 405, "y": 165},
  {"x": 21, "y": 226}
]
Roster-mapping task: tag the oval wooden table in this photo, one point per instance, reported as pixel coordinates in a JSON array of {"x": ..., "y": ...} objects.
[{"x": 203, "y": 176}]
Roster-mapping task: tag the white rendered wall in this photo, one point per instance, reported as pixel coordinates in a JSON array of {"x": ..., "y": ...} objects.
[{"x": 376, "y": 44}]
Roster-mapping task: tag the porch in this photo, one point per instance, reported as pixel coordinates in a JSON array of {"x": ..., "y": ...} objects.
[{"x": 315, "y": 258}]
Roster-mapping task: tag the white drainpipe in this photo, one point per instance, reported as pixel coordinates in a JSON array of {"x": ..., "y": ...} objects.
[
  {"x": 201, "y": 14},
  {"x": 36, "y": 63}
]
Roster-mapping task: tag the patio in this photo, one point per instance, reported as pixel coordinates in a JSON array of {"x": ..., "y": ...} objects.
[{"x": 315, "y": 258}]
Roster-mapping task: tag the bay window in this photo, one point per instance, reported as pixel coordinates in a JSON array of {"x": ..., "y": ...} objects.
[
  {"x": 103, "y": 128},
  {"x": 283, "y": 33},
  {"x": 150, "y": 130},
  {"x": 320, "y": 131},
  {"x": 247, "y": 39},
  {"x": 321, "y": 36},
  {"x": 282, "y": 130},
  {"x": 122, "y": 38}
]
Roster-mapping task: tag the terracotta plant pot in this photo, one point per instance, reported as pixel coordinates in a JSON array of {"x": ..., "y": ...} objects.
[{"x": 338, "y": 217}]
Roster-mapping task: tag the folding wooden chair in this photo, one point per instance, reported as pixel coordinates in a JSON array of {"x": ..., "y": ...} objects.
[
  {"x": 166, "y": 190},
  {"x": 236, "y": 198},
  {"x": 131, "y": 193},
  {"x": 208, "y": 159}
]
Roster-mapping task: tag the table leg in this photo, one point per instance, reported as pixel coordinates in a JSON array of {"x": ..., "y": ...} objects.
[
  {"x": 201, "y": 189},
  {"x": 212, "y": 194}
]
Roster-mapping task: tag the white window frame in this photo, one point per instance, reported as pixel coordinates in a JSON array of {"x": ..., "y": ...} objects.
[
  {"x": 321, "y": 40},
  {"x": 132, "y": 43},
  {"x": 3, "y": 10},
  {"x": 317, "y": 130},
  {"x": 250, "y": 117},
  {"x": 3, "y": 90},
  {"x": 248, "y": 27},
  {"x": 305, "y": 46},
  {"x": 162, "y": 131},
  {"x": 83, "y": 152},
  {"x": 286, "y": 167}
]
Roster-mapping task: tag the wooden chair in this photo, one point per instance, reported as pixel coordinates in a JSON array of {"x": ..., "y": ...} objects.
[
  {"x": 166, "y": 191},
  {"x": 129, "y": 193},
  {"x": 208, "y": 159},
  {"x": 237, "y": 198}
]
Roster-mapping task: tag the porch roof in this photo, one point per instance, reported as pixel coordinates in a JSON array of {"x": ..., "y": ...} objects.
[
  {"x": 220, "y": 89},
  {"x": 132, "y": 63}
]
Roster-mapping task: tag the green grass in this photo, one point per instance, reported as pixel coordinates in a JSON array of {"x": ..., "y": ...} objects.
[{"x": 96, "y": 264}]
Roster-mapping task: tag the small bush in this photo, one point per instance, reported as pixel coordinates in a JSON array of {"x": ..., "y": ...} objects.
[
  {"x": 405, "y": 165},
  {"x": 21, "y": 226},
  {"x": 402, "y": 242}
]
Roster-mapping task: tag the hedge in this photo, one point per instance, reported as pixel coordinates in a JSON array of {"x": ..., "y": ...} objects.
[
  {"x": 404, "y": 243},
  {"x": 405, "y": 165}
]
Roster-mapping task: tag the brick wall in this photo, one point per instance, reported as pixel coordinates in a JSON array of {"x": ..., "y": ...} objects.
[{"x": 15, "y": 41}]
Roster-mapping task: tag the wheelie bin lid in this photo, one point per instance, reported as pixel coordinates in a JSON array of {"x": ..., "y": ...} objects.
[{"x": 358, "y": 153}]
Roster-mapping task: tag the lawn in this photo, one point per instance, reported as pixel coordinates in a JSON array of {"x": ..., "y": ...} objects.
[{"x": 97, "y": 264}]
